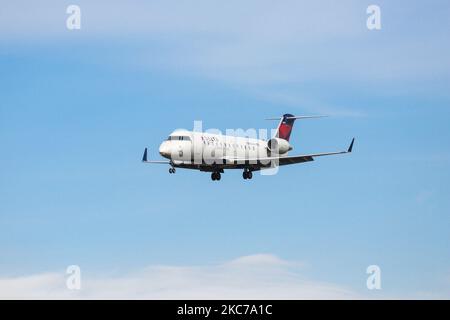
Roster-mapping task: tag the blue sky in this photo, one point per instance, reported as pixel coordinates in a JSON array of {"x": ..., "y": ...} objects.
[{"x": 78, "y": 107}]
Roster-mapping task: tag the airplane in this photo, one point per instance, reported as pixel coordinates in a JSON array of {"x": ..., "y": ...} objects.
[{"x": 216, "y": 153}]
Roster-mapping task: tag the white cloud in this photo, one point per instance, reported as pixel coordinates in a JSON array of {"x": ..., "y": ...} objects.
[
  {"x": 259, "y": 46},
  {"x": 261, "y": 276}
]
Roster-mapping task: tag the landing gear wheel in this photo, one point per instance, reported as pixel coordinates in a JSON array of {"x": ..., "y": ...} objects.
[
  {"x": 172, "y": 170},
  {"x": 215, "y": 176},
  {"x": 247, "y": 174}
]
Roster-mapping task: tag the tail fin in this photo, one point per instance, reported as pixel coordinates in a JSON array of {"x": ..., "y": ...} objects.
[
  {"x": 287, "y": 123},
  {"x": 285, "y": 127}
]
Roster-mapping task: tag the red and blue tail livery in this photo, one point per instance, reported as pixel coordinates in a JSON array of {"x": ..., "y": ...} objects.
[{"x": 285, "y": 126}]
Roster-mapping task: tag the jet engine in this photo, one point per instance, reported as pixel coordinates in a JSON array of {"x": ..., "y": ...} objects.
[{"x": 278, "y": 146}]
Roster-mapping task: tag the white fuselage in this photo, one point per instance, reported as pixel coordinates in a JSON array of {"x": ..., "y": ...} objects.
[{"x": 206, "y": 148}]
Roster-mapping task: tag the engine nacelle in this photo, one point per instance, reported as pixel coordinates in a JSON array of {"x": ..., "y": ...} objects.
[{"x": 278, "y": 146}]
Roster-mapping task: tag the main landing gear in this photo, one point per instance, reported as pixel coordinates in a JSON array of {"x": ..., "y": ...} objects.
[
  {"x": 247, "y": 174},
  {"x": 172, "y": 170},
  {"x": 215, "y": 176}
]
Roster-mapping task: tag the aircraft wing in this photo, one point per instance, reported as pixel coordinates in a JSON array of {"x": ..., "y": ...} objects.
[
  {"x": 157, "y": 161},
  {"x": 305, "y": 158},
  {"x": 145, "y": 160},
  {"x": 284, "y": 160}
]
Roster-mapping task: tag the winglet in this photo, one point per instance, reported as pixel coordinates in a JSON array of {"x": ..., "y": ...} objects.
[
  {"x": 351, "y": 145},
  {"x": 144, "y": 158}
]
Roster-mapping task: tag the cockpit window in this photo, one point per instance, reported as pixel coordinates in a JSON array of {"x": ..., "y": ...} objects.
[{"x": 182, "y": 138}]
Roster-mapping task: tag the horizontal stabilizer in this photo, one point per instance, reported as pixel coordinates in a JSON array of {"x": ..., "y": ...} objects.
[{"x": 298, "y": 117}]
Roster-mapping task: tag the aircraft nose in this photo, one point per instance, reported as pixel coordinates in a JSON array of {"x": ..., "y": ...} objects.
[{"x": 164, "y": 150}]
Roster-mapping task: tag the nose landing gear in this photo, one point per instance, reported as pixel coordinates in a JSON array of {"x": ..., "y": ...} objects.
[{"x": 172, "y": 170}]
